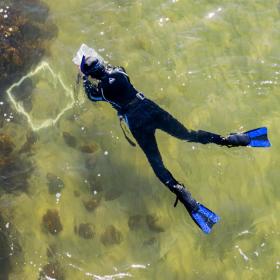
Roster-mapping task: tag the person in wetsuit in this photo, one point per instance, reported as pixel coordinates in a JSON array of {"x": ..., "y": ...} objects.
[{"x": 143, "y": 117}]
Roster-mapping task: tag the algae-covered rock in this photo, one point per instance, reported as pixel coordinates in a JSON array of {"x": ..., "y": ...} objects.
[
  {"x": 69, "y": 139},
  {"x": 10, "y": 249},
  {"x": 85, "y": 230},
  {"x": 55, "y": 184},
  {"x": 25, "y": 30},
  {"x": 153, "y": 223},
  {"x": 150, "y": 242},
  {"x": 51, "y": 222},
  {"x": 92, "y": 203},
  {"x": 52, "y": 270},
  {"x": 5, "y": 263},
  {"x": 135, "y": 222},
  {"x": 15, "y": 172},
  {"x": 89, "y": 148},
  {"x": 112, "y": 194},
  {"x": 6, "y": 145},
  {"x": 31, "y": 140},
  {"x": 111, "y": 236}
]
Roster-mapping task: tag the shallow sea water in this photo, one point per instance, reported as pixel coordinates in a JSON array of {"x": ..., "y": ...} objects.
[{"x": 215, "y": 65}]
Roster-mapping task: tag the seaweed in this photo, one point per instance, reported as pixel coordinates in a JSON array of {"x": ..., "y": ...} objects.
[
  {"x": 25, "y": 31},
  {"x": 92, "y": 203},
  {"x": 9, "y": 247},
  {"x": 111, "y": 236},
  {"x": 135, "y": 222},
  {"x": 69, "y": 139},
  {"x": 15, "y": 169},
  {"x": 55, "y": 184},
  {"x": 52, "y": 270},
  {"x": 51, "y": 222},
  {"x": 89, "y": 148},
  {"x": 153, "y": 223},
  {"x": 85, "y": 230}
]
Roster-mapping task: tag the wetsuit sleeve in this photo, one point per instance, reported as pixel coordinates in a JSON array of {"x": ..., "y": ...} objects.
[{"x": 92, "y": 91}]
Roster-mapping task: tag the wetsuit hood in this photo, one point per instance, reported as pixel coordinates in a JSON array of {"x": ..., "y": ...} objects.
[{"x": 93, "y": 67}]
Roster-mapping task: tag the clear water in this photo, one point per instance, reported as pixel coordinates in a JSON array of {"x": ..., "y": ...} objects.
[{"x": 215, "y": 66}]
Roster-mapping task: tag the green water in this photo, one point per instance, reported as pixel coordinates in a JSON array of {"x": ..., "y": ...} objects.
[{"x": 214, "y": 65}]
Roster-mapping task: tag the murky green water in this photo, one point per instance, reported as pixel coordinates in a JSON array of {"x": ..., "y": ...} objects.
[{"x": 215, "y": 65}]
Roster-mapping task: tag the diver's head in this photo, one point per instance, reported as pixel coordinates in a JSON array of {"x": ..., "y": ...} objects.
[{"x": 93, "y": 67}]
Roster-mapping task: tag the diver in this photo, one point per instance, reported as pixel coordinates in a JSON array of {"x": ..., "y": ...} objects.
[{"x": 143, "y": 117}]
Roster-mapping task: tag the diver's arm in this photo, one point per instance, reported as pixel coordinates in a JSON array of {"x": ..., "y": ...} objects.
[{"x": 92, "y": 91}]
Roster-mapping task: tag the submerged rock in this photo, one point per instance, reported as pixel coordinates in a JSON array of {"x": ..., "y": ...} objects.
[
  {"x": 150, "y": 242},
  {"x": 15, "y": 172},
  {"x": 53, "y": 271},
  {"x": 135, "y": 222},
  {"x": 69, "y": 139},
  {"x": 153, "y": 223},
  {"x": 5, "y": 263},
  {"x": 51, "y": 222},
  {"x": 10, "y": 249},
  {"x": 111, "y": 236},
  {"x": 6, "y": 145},
  {"x": 31, "y": 139},
  {"x": 24, "y": 31},
  {"x": 92, "y": 203},
  {"x": 55, "y": 184},
  {"x": 112, "y": 194},
  {"x": 85, "y": 230},
  {"x": 90, "y": 148}
]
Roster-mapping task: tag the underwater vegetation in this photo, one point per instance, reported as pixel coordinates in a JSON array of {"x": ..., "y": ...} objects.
[
  {"x": 10, "y": 250},
  {"x": 15, "y": 165},
  {"x": 24, "y": 37},
  {"x": 51, "y": 222}
]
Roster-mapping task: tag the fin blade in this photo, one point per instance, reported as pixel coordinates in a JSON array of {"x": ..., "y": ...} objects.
[
  {"x": 204, "y": 218},
  {"x": 260, "y": 143},
  {"x": 258, "y": 137},
  {"x": 257, "y": 132}
]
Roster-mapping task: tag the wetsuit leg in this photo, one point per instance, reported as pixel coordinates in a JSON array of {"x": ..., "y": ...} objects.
[
  {"x": 169, "y": 124},
  {"x": 148, "y": 144}
]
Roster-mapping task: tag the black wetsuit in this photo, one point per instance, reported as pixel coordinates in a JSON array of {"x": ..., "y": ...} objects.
[{"x": 143, "y": 117}]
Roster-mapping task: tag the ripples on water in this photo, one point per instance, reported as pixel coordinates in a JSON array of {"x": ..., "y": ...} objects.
[{"x": 76, "y": 201}]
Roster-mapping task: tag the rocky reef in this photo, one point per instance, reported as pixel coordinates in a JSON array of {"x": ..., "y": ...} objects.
[
  {"x": 15, "y": 166},
  {"x": 25, "y": 31}
]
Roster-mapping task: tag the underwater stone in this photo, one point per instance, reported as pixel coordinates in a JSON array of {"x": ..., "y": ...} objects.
[
  {"x": 89, "y": 149},
  {"x": 92, "y": 203},
  {"x": 55, "y": 184},
  {"x": 52, "y": 271},
  {"x": 31, "y": 139},
  {"x": 134, "y": 222},
  {"x": 6, "y": 145},
  {"x": 153, "y": 223},
  {"x": 15, "y": 172},
  {"x": 77, "y": 193},
  {"x": 51, "y": 222},
  {"x": 69, "y": 139},
  {"x": 112, "y": 194},
  {"x": 85, "y": 230},
  {"x": 25, "y": 31},
  {"x": 111, "y": 236},
  {"x": 5, "y": 264},
  {"x": 150, "y": 242}
]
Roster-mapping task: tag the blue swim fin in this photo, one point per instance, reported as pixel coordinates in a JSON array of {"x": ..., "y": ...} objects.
[
  {"x": 258, "y": 137},
  {"x": 204, "y": 218}
]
